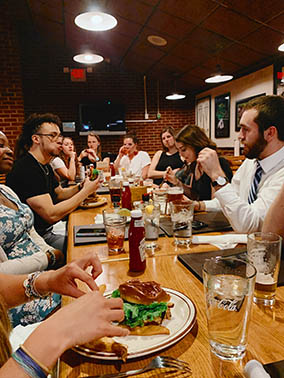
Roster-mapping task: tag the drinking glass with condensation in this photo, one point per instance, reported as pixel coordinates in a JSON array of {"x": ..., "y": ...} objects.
[
  {"x": 115, "y": 230},
  {"x": 182, "y": 217},
  {"x": 264, "y": 252},
  {"x": 228, "y": 287}
]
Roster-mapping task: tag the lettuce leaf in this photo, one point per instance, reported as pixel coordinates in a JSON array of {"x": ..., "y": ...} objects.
[{"x": 136, "y": 314}]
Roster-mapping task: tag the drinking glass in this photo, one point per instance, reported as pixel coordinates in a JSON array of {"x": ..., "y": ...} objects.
[
  {"x": 151, "y": 217},
  {"x": 182, "y": 217},
  {"x": 160, "y": 198},
  {"x": 175, "y": 194},
  {"x": 115, "y": 230},
  {"x": 264, "y": 252},
  {"x": 114, "y": 190},
  {"x": 228, "y": 287}
]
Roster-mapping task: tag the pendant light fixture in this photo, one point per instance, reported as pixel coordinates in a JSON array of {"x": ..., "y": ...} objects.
[
  {"x": 218, "y": 77},
  {"x": 88, "y": 58},
  {"x": 95, "y": 21},
  {"x": 175, "y": 95},
  {"x": 281, "y": 47}
]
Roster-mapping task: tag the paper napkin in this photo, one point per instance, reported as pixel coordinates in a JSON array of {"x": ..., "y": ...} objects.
[
  {"x": 254, "y": 369},
  {"x": 220, "y": 241}
]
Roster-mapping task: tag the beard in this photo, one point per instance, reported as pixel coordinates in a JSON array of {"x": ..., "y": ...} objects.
[{"x": 253, "y": 152}]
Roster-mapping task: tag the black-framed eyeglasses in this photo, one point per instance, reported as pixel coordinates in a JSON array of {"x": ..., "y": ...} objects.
[{"x": 53, "y": 137}]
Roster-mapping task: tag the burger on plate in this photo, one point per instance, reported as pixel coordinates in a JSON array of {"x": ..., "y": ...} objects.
[{"x": 146, "y": 305}]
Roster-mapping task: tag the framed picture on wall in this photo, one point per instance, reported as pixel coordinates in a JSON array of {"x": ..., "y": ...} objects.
[
  {"x": 240, "y": 108},
  {"x": 222, "y": 116},
  {"x": 203, "y": 114}
]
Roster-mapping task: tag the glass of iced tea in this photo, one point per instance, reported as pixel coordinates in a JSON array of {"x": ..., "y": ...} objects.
[
  {"x": 264, "y": 252},
  {"x": 115, "y": 230},
  {"x": 175, "y": 194}
]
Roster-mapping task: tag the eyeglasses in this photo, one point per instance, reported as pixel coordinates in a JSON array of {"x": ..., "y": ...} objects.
[{"x": 53, "y": 137}]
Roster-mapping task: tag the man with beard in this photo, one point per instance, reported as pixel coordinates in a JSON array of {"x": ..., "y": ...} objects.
[
  {"x": 33, "y": 180},
  {"x": 257, "y": 182}
]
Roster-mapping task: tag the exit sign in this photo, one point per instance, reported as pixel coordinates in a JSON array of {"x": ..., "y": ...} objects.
[{"x": 78, "y": 74}]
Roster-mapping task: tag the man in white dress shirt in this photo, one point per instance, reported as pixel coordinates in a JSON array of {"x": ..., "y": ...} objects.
[{"x": 262, "y": 135}]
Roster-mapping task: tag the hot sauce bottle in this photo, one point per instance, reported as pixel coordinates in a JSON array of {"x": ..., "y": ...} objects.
[
  {"x": 136, "y": 238},
  {"x": 126, "y": 196}
]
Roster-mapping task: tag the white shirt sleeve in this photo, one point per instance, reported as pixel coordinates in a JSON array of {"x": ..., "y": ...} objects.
[
  {"x": 23, "y": 265},
  {"x": 233, "y": 198},
  {"x": 57, "y": 163}
]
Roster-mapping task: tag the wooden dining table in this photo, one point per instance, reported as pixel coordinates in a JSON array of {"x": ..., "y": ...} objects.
[{"x": 266, "y": 327}]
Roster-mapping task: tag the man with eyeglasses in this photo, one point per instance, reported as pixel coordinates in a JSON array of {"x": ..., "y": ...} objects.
[{"x": 33, "y": 180}]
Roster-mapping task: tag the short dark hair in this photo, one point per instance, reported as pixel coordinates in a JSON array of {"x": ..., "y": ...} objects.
[
  {"x": 270, "y": 112},
  {"x": 132, "y": 136},
  {"x": 169, "y": 130},
  {"x": 30, "y": 127},
  {"x": 195, "y": 137}
]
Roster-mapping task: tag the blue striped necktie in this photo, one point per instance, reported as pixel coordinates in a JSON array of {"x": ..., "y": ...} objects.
[{"x": 253, "y": 189}]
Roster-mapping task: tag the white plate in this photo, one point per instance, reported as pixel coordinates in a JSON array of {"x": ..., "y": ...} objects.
[
  {"x": 101, "y": 201},
  {"x": 182, "y": 320}
]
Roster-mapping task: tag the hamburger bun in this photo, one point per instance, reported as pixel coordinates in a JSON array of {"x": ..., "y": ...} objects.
[{"x": 138, "y": 292}]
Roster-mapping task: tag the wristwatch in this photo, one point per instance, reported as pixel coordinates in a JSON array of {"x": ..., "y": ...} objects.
[{"x": 220, "y": 181}]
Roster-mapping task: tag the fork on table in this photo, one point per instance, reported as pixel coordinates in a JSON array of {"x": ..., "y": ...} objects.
[{"x": 160, "y": 362}]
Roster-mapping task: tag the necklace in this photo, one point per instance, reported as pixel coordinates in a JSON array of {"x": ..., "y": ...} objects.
[{"x": 44, "y": 168}]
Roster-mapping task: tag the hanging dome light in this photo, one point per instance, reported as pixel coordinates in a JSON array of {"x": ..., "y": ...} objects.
[
  {"x": 218, "y": 77},
  {"x": 175, "y": 96},
  {"x": 88, "y": 58},
  {"x": 95, "y": 21}
]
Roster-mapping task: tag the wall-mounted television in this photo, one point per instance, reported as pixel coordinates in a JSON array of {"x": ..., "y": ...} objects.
[{"x": 105, "y": 118}]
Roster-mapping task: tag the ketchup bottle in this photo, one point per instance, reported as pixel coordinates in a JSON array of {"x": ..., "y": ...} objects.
[
  {"x": 136, "y": 238},
  {"x": 126, "y": 196}
]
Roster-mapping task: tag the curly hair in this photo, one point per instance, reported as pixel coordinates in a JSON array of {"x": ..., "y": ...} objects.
[{"x": 29, "y": 128}]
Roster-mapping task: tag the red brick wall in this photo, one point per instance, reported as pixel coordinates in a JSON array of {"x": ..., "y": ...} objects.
[
  {"x": 11, "y": 98},
  {"x": 48, "y": 89}
]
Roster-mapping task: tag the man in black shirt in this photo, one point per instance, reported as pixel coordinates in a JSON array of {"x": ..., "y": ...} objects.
[{"x": 32, "y": 177}]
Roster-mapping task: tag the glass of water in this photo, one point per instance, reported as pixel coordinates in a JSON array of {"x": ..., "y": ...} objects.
[
  {"x": 182, "y": 217},
  {"x": 228, "y": 287}
]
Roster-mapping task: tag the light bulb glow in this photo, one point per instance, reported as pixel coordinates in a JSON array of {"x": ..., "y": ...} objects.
[
  {"x": 96, "y": 19},
  {"x": 281, "y": 47}
]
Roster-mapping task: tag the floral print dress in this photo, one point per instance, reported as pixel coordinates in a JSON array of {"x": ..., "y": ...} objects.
[{"x": 16, "y": 242}]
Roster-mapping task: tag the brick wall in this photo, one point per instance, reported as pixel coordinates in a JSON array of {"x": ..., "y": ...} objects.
[
  {"x": 11, "y": 98},
  {"x": 47, "y": 89}
]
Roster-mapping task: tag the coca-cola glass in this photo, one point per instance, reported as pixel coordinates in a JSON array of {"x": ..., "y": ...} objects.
[
  {"x": 228, "y": 287},
  {"x": 115, "y": 231}
]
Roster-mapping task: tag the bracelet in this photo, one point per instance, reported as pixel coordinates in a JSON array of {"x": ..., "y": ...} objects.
[
  {"x": 51, "y": 257},
  {"x": 29, "y": 286},
  {"x": 31, "y": 367}
]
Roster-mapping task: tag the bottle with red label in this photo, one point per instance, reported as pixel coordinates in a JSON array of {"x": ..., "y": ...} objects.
[
  {"x": 126, "y": 196},
  {"x": 136, "y": 238}
]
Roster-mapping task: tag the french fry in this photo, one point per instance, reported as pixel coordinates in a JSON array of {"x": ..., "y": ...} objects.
[{"x": 107, "y": 344}]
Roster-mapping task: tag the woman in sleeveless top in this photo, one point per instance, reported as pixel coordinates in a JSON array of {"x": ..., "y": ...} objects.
[{"x": 168, "y": 157}]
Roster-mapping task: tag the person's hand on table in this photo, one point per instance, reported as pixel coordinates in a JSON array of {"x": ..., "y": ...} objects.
[{"x": 62, "y": 281}]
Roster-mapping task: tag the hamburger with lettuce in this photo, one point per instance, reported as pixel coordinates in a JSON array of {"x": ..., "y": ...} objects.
[{"x": 145, "y": 306}]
